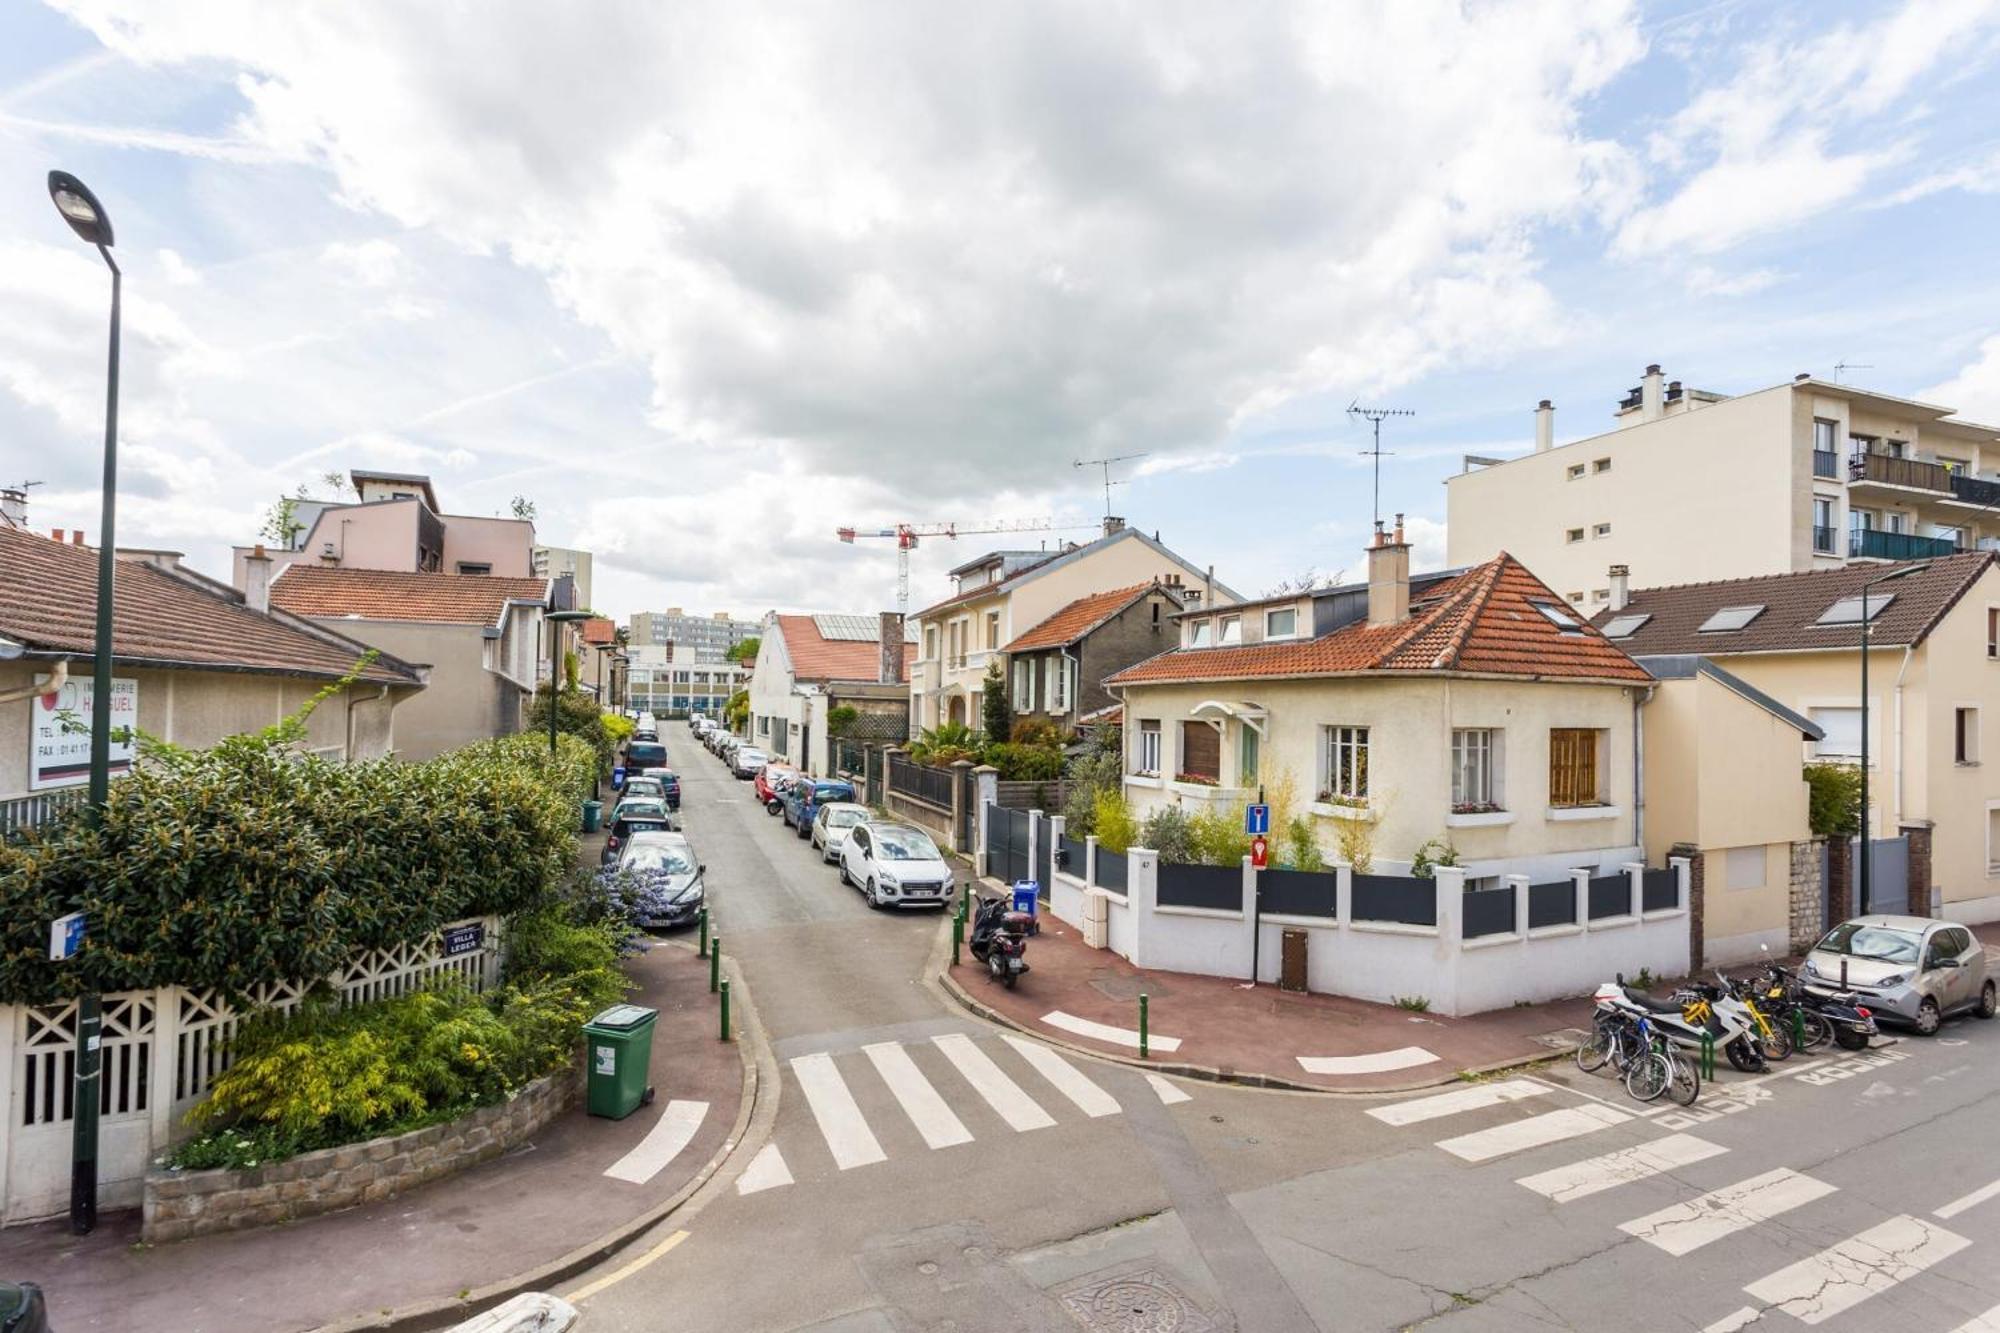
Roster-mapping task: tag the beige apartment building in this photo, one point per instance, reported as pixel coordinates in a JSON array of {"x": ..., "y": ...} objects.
[
  {"x": 1003, "y": 594},
  {"x": 1689, "y": 486}
]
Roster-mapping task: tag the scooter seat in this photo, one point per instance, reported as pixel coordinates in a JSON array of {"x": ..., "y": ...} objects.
[{"x": 1650, "y": 1002}]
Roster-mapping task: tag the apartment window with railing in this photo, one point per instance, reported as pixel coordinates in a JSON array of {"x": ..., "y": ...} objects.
[
  {"x": 1344, "y": 765},
  {"x": 1575, "y": 774},
  {"x": 1826, "y": 447},
  {"x": 1148, "y": 759},
  {"x": 1822, "y": 533},
  {"x": 1475, "y": 770}
]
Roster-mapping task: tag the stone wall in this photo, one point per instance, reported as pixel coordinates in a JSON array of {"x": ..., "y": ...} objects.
[
  {"x": 1919, "y": 835},
  {"x": 179, "y": 1204},
  {"x": 1808, "y": 894}
]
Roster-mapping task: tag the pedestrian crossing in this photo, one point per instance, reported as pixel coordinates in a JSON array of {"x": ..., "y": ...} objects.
[
  {"x": 1818, "y": 1287},
  {"x": 936, "y": 1087}
]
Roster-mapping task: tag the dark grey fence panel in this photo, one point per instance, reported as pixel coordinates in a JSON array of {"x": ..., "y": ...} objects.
[
  {"x": 1110, "y": 870},
  {"x": 1219, "y": 887},
  {"x": 1016, "y": 823},
  {"x": 1610, "y": 895},
  {"x": 1298, "y": 892},
  {"x": 1660, "y": 890},
  {"x": 1488, "y": 912},
  {"x": 1552, "y": 904},
  {"x": 1074, "y": 848},
  {"x": 921, "y": 781},
  {"x": 1400, "y": 898}
]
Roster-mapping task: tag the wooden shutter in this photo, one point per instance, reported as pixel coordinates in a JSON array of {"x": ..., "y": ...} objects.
[
  {"x": 1572, "y": 766},
  {"x": 1201, "y": 751}
]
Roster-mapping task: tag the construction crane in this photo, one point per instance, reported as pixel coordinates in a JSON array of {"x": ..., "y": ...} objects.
[{"x": 907, "y": 535}]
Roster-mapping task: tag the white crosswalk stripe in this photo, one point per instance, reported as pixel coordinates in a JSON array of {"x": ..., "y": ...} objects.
[
  {"x": 1687, "y": 1227},
  {"x": 1168, "y": 1093},
  {"x": 841, "y": 1123},
  {"x": 1842, "y": 1276},
  {"x": 920, "y": 1101},
  {"x": 1534, "y": 1132},
  {"x": 1596, "y": 1174},
  {"x": 1003, "y": 1094},
  {"x": 672, "y": 1132},
  {"x": 1981, "y": 1323},
  {"x": 1068, "y": 1079},
  {"x": 767, "y": 1170},
  {"x": 1453, "y": 1103}
]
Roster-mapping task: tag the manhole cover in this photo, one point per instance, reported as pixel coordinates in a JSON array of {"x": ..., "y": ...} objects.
[{"x": 1132, "y": 1299}]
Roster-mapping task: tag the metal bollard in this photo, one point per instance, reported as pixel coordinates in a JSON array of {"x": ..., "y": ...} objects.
[
  {"x": 1707, "y": 1056},
  {"x": 725, "y": 1009},
  {"x": 1798, "y": 1030},
  {"x": 714, "y": 963},
  {"x": 957, "y": 937},
  {"x": 1142, "y": 1025},
  {"x": 701, "y": 950}
]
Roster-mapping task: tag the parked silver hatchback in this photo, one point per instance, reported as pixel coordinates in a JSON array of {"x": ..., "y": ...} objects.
[{"x": 1912, "y": 970}]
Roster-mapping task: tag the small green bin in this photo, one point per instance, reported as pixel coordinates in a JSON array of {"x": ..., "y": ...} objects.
[
  {"x": 618, "y": 1045},
  {"x": 593, "y": 816}
]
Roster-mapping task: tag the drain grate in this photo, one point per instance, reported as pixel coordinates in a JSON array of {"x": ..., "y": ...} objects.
[{"x": 1132, "y": 1298}]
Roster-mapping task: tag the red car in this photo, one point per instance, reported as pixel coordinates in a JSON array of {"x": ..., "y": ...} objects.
[{"x": 771, "y": 784}]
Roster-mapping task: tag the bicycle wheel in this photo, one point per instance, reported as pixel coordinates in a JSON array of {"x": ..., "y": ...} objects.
[
  {"x": 1818, "y": 1031},
  {"x": 1590, "y": 1056},
  {"x": 1778, "y": 1042},
  {"x": 1649, "y": 1076},
  {"x": 1685, "y": 1085}
]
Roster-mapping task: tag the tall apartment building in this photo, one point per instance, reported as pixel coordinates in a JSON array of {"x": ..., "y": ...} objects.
[
  {"x": 550, "y": 562},
  {"x": 709, "y": 637},
  {"x": 1689, "y": 486}
]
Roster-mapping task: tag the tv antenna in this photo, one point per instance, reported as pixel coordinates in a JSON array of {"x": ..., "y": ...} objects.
[
  {"x": 1374, "y": 415},
  {"x": 1106, "y": 463},
  {"x": 1842, "y": 367}
]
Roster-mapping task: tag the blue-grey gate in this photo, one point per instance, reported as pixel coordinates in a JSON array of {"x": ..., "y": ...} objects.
[{"x": 1888, "y": 875}]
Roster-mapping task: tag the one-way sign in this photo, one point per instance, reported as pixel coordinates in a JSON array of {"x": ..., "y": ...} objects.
[{"x": 1257, "y": 820}]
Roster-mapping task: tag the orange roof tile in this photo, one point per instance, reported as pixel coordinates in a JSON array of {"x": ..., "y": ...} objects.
[
  {"x": 1484, "y": 622},
  {"x": 1077, "y": 619},
  {"x": 599, "y": 630},
  {"x": 815, "y": 657},
  {"x": 384, "y": 594}
]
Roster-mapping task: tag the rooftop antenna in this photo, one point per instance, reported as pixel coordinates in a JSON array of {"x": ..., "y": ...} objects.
[
  {"x": 1842, "y": 367},
  {"x": 1375, "y": 415},
  {"x": 1106, "y": 463}
]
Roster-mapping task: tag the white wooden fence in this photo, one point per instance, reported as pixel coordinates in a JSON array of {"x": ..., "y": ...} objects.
[{"x": 161, "y": 1049}]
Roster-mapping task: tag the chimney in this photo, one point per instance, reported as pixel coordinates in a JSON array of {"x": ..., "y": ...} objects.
[
  {"x": 1650, "y": 389},
  {"x": 1389, "y": 577},
  {"x": 14, "y": 508},
  {"x": 257, "y": 580},
  {"x": 1112, "y": 525},
  {"x": 1621, "y": 587},
  {"x": 55, "y": 534},
  {"x": 889, "y": 661},
  {"x": 76, "y": 536},
  {"x": 1545, "y": 426}
]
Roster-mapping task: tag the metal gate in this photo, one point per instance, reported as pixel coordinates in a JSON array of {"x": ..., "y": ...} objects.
[
  {"x": 968, "y": 809},
  {"x": 1045, "y": 860},
  {"x": 1888, "y": 877},
  {"x": 1006, "y": 843}
]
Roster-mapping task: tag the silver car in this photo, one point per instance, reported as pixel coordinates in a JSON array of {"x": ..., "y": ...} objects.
[
  {"x": 1912, "y": 970},
  {"x": 830, "y": 826},
  {"x": 747, "y": 761}
]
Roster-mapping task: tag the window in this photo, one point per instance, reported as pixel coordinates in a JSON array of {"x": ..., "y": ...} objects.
[
  {"x": 1601, "y": 595},
  {"x": 1230, "y": 630},
  {"x": 1149, "y": 747},
  {"x": 1843, "y": 732},
  {"x": 930, "y": 643},
  {"x": 1344, "y": 780},
  {"x": 1281, "y": 624},
  {"x": 1203, "y": 635},
  {"x": 1965, "y": 735},
  {"x": 1847, "y": 611},
  {"x": 1557, "y": 616},
  {"x": 1859, "y": 446},
  {"x": 1745, "y": 867},
  {"x": 1730, "y": 618},
  {"x": 1573, "y": 535},
  {"x": 1825, "y": 435},
  {"x": 1249, "y": 757},
  {"x": 1024, "y": 685},
  {"x": 1600, "y": 465},
  {"x": 467, "y": 567},
  {"x": 1201, "y": 752},
  {"x": 1822, "y": 534},
  {"x": 992, "y": 630},
  {"x": 1600, "y": 530},
  {"x": 1058, "y": 692},
  {"x": 1574, "y": 772},
  {"x": 1896, "y": 448},
  {"x": 1474, "y": 770},
  {"x": 1993, "y": 631},
  {"x": 1624, "y": 627},
  {"x": 1575, "y": 471},
  {"x": 1576, "y": 597}
]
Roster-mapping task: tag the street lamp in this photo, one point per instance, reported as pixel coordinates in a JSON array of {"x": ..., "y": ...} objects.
[
  {"x": 557, "y": 619},
  {"x": 1865, "y": 902},
  {"x": 87, "y": 218}
]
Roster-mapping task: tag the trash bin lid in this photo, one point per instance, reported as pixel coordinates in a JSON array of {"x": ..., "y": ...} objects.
[{"x": 624, "y": 1016}]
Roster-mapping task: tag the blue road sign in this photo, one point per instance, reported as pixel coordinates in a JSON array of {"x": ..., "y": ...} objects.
[
  {"x": 65, "y": 937},
  {"x": 1256, "y": 819}
]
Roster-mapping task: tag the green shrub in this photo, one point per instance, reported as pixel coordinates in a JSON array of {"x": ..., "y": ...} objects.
[
  {"x": 1300, "y": 848},
  {"x": 1430, "y": 855},
  {"x": 1833, "y": 802},
  {"x": 1112, "y": 821},
  {"x": 840, "y": 718},
  {"x": 1170, "y": 832},
  {"x": 578, "y": 715},
  {"x": 1219, "y": 839},
  {"x": 1025, "y": 763},
  {"x": 1100, "y": 768}
]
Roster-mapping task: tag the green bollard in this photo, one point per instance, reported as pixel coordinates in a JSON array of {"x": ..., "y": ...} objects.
[
  {"x": 1798, "y": 1030},
  {"x": 957, "y": 937},
  {"x": 1707, "y": 1056},
  {"x": 701, "y": 950},
  {"x": 1142, "y": 1025},
  {"x": 725, "y": 1009},
  {"x": 714, "y": 963}
]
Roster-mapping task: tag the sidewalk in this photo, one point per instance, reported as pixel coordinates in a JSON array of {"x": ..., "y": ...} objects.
[{"x": 534, "y": 1207}]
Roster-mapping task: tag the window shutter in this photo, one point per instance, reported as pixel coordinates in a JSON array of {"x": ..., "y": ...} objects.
[{"x": 1201, "y": 751}]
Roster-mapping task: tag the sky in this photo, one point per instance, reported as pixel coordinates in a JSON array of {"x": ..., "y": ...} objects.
[{"x": 706, "y": 281}]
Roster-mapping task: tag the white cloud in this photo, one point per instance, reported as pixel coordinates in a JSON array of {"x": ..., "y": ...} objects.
[
  {"x": 1981, "y": 176},
  {"x": 372, "y": 263},
  {"x": 1975, "y": 391},
  {"x": 1703, "y": 280},
  {"x": 176, "y": 270}
]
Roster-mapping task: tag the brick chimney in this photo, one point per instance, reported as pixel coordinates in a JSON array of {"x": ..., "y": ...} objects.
[
  {"x": 1545, "y": 426},
  {"x": 889, "y": 661},
  {"x": 1112, "y": 525},
  {"x": 1621, "y": 587},
  {"x": 257, "y": 580},
  {"x": 1389, "y": 577}
]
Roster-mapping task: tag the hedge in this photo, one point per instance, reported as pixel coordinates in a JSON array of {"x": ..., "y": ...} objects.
[{"x": 250, "y": 862}]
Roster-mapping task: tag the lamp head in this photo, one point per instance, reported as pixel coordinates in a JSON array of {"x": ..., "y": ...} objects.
[{"x": 79, "y": 208}]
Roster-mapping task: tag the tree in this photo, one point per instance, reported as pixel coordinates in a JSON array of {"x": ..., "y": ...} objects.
[
  {"x": 577, "y": 714},
  {"x": 840, "y": 718},
  {"x": 523, "y": 508},
  {"x": 736, "y": 713},
  {"x": 1833, "y": 803},
  {"x": 281, "y": 523},
  {"x": 995, "y": 715},
  {"x": 745, "y": 651}
]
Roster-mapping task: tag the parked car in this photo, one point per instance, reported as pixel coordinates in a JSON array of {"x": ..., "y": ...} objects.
[
  {"x": 805, "y": 798},
  {"x": 22, "y": 1308},
  {"x": 696, "y": 721},
  {"x": 642, "y": 755},
  {"x": 895, "y": 865},
  {"x": 1912, "y": 970},
  {"x": 670, "y": 785},
  {"x": 747, "y": 761},
  {"x": 830, "y": 824},
  {"x": 641, "y": 787},
  {"x": 669, "y": 880},
  {"x": 634, "y": 817},
  {"x": 772, "y": 782}
]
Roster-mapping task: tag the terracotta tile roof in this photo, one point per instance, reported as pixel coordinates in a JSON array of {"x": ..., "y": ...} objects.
[
  {"x": 815, "y": 657},
  {"x": 1482, "y": 622},
  {"x": 1793, "y": 604},
  {"x": 327, "y": 593},
  {"x": 601, "y": 629},
  {"x": 48, "y": 601},
  {"x": 1079, "y": 618}
]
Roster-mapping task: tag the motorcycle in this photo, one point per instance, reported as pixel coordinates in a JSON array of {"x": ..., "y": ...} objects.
[
  {"x": 1698, "y": 1015},
  {"x": 1000, "y": 940},
  {"x": 1840, "y": 1015}
]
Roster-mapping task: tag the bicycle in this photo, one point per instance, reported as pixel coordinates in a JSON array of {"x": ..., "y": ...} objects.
[
  {"x": 1614, "y": 1040},
  {"x": 1664, "y": 1069}
]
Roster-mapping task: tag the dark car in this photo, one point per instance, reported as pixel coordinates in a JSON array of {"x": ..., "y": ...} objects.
[
  {"x": 665, "y": 878},
  {"x": 670, "y": 785},
  {"x": 807, "y": 795},
  {"x": 642, "y": 755},
  {"x": 635, "y": 817},
  {"x": 22, "y": 1309}
]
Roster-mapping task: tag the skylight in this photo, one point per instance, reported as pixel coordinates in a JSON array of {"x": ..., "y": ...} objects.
[
  {"x": 1847, "y": 611},
  {"x": 1624, "y": 627},
  {"x": 1729, "y": 618},
  {"x": 1557, "y": 616}
]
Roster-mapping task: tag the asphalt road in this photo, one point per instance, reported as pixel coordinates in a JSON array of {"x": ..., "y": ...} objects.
[{"x": 923, "y": 1171}]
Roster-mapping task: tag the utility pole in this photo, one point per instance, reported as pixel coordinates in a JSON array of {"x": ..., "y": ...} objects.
[
  {"x": 1106, "y": 463},
  {"x": 1375, "y": 415}
]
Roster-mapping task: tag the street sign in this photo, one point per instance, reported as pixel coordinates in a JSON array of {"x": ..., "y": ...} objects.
[
  {"x": 65, "y": 937},
  {"x": 1257, "y": 820},
  {"x": 463, "y": 939},
  {"x": 1260, "y": 851}
]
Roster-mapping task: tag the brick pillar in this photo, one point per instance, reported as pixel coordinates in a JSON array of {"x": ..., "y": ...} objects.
[
  {"x": 1697, "y": 899},
  {"x": 1919, "y": 835},
  {"x": 1839, "y": 878}
]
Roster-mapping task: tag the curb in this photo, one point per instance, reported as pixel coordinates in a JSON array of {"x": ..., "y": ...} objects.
[
  {"x": 1207, "y": 1073},
  {"x": 443, "y": 1312}
]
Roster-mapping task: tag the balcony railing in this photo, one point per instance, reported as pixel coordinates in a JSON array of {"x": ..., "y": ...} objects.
[
  {"x": 1826, "y": 463},
  {"x": 1870, "y": 544},
  {"x": 1974, "y": 491},
  {"x": 1908, "y": 472},
  {"x": 1823, "y": 540}
]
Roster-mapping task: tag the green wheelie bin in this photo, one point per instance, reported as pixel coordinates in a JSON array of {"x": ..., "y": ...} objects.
[{"x": 619, "y": 1045}]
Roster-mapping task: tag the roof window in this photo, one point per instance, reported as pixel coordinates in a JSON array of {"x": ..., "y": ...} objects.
[
  {"x": 1847, "y": 611},
  {"x": 1624, "y": 627},
  {"x": 1558, "y": 616},
  {"x": 1730, "y": 618}
]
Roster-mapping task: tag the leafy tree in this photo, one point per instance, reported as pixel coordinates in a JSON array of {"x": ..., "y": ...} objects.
[
  {"x": 1100, "y": 768},
  {"x": 281, "y": 523},
  {"x": 522, "y": 508},
  {"x": 1833, "y": 802},
  {"x": 736, "y": 713},
  {"x": 746, "y": 651},
  {"x": 1430, "y": 855},
  {"x": 577, "y": 714},
  {"x": 995, "y": 713},
  {"x": 841, "y": 718}
]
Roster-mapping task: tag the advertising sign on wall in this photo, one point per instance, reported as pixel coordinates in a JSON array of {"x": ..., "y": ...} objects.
[{"x": 59, "y": 739}]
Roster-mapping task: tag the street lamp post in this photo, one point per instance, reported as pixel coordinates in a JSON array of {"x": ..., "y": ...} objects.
[
  {"x": 557, "y": 619},
  {"x": 1863, "y": 902},
  {"x": 87, "y": 218}
]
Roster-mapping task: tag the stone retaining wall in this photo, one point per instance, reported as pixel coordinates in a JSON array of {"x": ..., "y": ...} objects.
[{"x": 179, "y": 1204}]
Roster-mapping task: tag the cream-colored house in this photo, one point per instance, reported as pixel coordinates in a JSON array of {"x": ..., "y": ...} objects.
[
  {"x": 1475, "y": 712},
  {"x": 808, "y": 665},
  {"x": 1934, "y": 678},
  {"x": 1803, "y": 475},
  {"x": 1003, "y": 594}
]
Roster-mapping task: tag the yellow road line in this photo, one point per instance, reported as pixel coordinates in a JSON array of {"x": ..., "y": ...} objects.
[{"x": 584, "y": 1293}]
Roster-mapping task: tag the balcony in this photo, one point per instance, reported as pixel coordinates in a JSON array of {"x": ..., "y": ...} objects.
[
  {"x": 1906, "y": 473},
  {"x": 1869, "y": 544},
  {"x": 1973, "y": 491}
]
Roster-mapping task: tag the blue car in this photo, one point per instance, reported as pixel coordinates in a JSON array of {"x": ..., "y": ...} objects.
[{"x": 807, "y": 795}]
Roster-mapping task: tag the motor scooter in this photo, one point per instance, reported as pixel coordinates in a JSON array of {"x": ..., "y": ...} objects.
[
  {"x": 1699, "y": 1015},
  {"x": 1000, "y": 940}
]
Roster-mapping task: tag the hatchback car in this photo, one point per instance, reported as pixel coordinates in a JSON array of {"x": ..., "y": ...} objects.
[
  {"x": 772, "y": 782},
  {"x": 642, "y": 788},
  {"x": 747, "y": 761},
  {"x": 670, "y": 785},
  {"x": 666, "y": 880},
  {"x": 895, "y": 865},
  {"x": 1912, "y": 970},
  {"x": 830, "y": 826},
  {"x": 634, "y": 817},
  {"x": 805, "y": 798}
]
